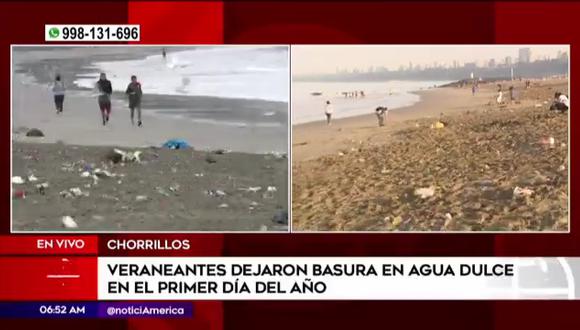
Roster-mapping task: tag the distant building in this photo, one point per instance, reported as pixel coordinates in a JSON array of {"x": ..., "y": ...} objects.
[
  {"x": 525, "y": 55},
  {"x": 508, "y": 61},
  {"x": 470, "y": 65},
  {"x": 491, "y": 63}
]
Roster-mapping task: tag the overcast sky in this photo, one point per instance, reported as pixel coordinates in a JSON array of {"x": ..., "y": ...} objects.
[{"x": 307, "y": 59}]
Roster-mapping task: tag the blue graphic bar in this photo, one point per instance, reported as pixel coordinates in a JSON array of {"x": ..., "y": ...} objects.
[{"x": 118, "y": 310}]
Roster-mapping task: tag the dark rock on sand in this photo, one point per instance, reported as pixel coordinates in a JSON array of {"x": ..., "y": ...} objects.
[{"x": 35, "y": 132}]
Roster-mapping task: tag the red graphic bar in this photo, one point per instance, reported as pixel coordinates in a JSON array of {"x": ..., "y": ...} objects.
[
  {"x": 49, "y": 245},
  {"x": 48, "y": 278}
]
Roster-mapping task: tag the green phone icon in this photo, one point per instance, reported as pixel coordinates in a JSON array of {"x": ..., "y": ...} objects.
[{"x": 53, "y": 32}]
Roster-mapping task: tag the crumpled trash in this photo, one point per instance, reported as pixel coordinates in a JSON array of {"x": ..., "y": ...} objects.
[
  {"x": 425, "y": 192},
  {"x": 215, "y": 193},
  {"x": 438, "y": 125},
  {"x": 17, "y": 180},
  {"x": 141, "y": 198},
  {"x": 278, "y": 155},
  {"x": 523, "y": 192},
  {"x": 129, "y": 156},
  {"x": 162, "y": 191},
  {"x": 198, "y": 175},
  {"x": 68, "y": 222},
  {"x": 223, "y": 206},
  {"x": 103, "y": 173},
  {"x": 85, "y": 174},
  {"x": 176, "y": 144},
  {"x": 32, "y": 178},
  {"x": 73, "y": 192},
  {"x": 269, "y": 194},
  {"x": 174, "y": 187},
  {"x": 251, "y": 189}
]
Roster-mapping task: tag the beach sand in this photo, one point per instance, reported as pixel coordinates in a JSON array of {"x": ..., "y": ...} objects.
[
  {"x": 76, "y": 139},
  {"x": 355, "y": 176},
  {"x": 176, "y": 186}
]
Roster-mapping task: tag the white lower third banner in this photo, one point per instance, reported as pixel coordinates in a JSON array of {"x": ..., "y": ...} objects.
[{"x": 336, "y": 278}]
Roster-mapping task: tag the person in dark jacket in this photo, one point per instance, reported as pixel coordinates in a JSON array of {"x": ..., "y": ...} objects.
[
  {"x": 105, "y": 90},
  {"x": 134, "y": 92}
]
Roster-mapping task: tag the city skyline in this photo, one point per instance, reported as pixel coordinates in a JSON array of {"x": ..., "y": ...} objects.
[{"x": 308, "y": 60}]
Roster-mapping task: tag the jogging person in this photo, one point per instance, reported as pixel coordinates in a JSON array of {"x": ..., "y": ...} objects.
[
  {"x": 58, "y": 91},
  {"x": 134, "y": 92},
  {"x": 105, "y": 90}
]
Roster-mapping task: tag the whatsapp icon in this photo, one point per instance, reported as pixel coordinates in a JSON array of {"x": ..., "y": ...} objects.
[{"x": 53, "y": 32}]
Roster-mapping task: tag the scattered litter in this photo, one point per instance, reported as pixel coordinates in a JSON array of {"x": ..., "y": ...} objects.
[
  {"x": 562, "y": 168},
  {"x": 384, "y": 171},
  {"x": 272, "y": 189},
  {"x": 174, "y": 187},
  {"x": 176, "y": 144},
  {"x": 523, "y": 192},
  {"x": 77, "y": 192},
  {"x": 425, "y": 192},
  {"x": 223, "y": 206},
  {"x": 361, "y": 160},
  {"x": 251, "y": 189},
  {"x": 221, "y": 151},
  {"x": 98, "y": 217},
  {"x": 129, "y": 156},
  {"x": 215, "y": 193},
  {"x": 198, "y": 175},
  {"x": 17, "y": 180},
  {"x": 173, "y": 170},
  {"x": 278, "y": 155},
  {"x": 32, "y": 178},
  {"x": 340, "y": 153},
  {"x": 103, "y": 173},
  {"x": 161, "y": 191},
  {"x": 85, "y": 174},
  {"x": 538, "y": 105},
  {"x": 141, "y": 198},
  {"x": 438, "y": 125},
  {"x": 68, "y": 222}
]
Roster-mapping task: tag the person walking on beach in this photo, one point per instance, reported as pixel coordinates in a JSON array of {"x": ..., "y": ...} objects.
[
  {"x": 134, "y": 92},
  {"x": 58, "y": 91},
  {"x": 328, "y": 110},
  {"x": 381, "y": 113},
  {"x": 105, "y": 90}
]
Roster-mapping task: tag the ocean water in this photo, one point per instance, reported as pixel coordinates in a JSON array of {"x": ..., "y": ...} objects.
[
  {"x": 392, "y": 94},
  {"x": 227, "y": 72}
]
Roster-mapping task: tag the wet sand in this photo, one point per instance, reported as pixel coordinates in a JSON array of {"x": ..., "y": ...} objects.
[{"x": 355, "y": 176}]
